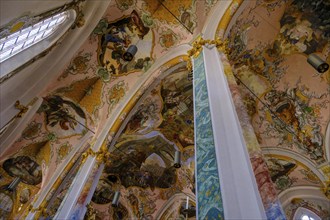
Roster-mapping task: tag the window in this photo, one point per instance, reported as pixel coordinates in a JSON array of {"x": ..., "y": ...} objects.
[
  {"x": 306, "y": 217},
  {"x": 25, "y": 38},
  {"x": 305, "y": 214},
  {"x": 20, "y": 47}
]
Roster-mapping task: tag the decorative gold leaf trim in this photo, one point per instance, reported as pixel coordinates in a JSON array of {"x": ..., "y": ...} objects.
[
  {"x": 102, "y": 155},
  {"x": 326, "y": 189},
  {"x": 23, "y": 109},
  {"x": 198, "y": 46}
]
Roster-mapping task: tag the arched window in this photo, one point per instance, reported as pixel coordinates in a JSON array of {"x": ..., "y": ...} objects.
[
  {"x": 306, "y": 217},
  {"x": 25, "y": 38},
  {"x": 18, "y": 48},
  {"x": 305, "y": 214}
]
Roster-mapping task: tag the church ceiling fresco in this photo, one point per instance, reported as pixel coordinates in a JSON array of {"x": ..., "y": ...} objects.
[
  {"x": 115, "y": 39},
  {"x": 178, "y": 123},
  {"x": 92, "y": 84},
  {"x": 141, "y": 163},
  {"x": 286, "y": 99},
  {"x": 286, "y": 173},
  {"x": 88, "y": 90},
  {"x": 292, "y": 109},
  {"x": 318, "y": 207}
]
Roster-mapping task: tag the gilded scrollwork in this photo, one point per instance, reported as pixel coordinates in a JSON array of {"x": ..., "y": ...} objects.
[
  {"x": 101, "y": 156},
  {"x": 326, "y": 189},
  {"x": 198, "y": 44},
  {"x": 23, "y": 109},
  {"x": 90, "y": 213}
]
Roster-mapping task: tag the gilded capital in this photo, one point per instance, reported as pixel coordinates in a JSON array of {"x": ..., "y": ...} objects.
[{"x": 198, "y": 44}]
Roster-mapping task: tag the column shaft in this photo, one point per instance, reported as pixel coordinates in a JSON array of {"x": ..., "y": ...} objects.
[{"x": 239, "y": 191}]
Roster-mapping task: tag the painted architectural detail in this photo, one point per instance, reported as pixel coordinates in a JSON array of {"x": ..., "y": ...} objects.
[{"x": 208, "y": 184}]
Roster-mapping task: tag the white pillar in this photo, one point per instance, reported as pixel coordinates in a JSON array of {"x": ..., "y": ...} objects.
[
  {"x": 239, "y": 191},
  {"x": 70, "y": 200}
]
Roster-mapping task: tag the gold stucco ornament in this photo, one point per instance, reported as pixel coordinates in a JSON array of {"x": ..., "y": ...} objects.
[
  {"x": 23, "y": 109},
  {"x": 326, "y": 189},
  {"x": 90, "y": 213},
  {"x": 101, "y": 156},
  {"x": 40, "y": 211},
  {"x": 198, "y": 44}
]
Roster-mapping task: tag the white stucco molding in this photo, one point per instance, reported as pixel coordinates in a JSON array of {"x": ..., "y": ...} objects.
[
  {"x": 327, "y": 142},
  {"x": 302, "y": 192},
  {"x": 176, "y": 199},
  {"x": 301, "y": 211},
  {"x": 212, "y": 22},
  {"x": 16, "y": 127},
  {"x": 295, "y": 156}
]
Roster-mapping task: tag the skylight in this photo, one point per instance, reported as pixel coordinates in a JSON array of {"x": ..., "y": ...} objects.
[{"x": 25, "y": 38}]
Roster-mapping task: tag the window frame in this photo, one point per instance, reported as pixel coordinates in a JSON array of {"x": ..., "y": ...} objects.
[
  {"x": 301, "y": 211},
  {"x": 31, "y": 53}
]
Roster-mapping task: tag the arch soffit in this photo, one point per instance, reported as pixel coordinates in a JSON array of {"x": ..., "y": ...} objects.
[
  {"x": 172, "y": 200},
  {"x": 221, "y": 18},
  {"x": 302, "y": 192},
  {"x": 290, "y": 154}
]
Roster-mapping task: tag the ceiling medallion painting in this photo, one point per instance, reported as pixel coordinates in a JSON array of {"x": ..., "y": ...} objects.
[
  {"x": 24, "y": 168},
  {"x": 116, "y": 39},
  {"x": 168, "y": 39},
  {"x": 32, "y": 130},
  {"x": 300, "y": 120},
  {"x": 86, "y": 94}
]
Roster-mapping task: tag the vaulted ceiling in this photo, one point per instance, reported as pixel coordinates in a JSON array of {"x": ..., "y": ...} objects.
[{"x": 287, "y": 101}]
